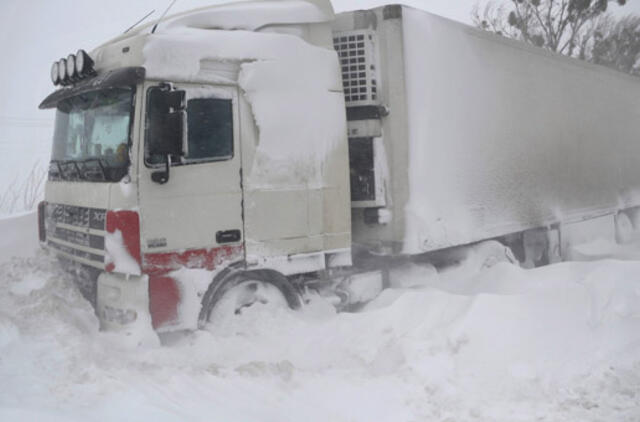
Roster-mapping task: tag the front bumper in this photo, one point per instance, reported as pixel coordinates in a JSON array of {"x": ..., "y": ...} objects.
[{"x": 123, "y": 301}]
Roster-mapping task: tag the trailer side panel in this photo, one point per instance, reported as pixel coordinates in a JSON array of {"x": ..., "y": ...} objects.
[{"x": 504, "y": 137}]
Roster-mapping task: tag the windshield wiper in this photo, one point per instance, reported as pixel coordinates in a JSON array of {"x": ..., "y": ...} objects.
[
  {"x": 75, "y": 164},
  {"x": 100, "y": 165},
  {"x": 59, "y": 166},
  {"x": 62, "y": 165}
]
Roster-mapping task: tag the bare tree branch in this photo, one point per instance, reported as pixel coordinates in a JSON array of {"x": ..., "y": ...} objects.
[{"x": 567, "y": 27}]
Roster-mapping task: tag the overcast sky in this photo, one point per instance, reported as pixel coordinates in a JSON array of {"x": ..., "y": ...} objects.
[{"x": 35, "y": 33}]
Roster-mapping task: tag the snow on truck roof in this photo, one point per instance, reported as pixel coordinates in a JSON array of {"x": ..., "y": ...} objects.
[
  {"x": 288, "y": 74},
  {"x": 249, "y": 15},
  {"x": 232, "y": 32}
]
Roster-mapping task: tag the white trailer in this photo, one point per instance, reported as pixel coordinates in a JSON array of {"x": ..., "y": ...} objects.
[
  {"x": 476, "y": 136},
  {"x": 248, "y": 151}
]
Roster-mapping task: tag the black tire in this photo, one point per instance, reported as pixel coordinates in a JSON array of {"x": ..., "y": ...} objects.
[{"x": 230, "y": 279}]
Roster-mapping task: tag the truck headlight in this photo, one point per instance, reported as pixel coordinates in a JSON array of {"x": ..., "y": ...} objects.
[
  {"x": 72, "y": 69},
  {"x": 84, "y": 63},
  {"x": 110, "y": 293},
  {"x": 55, "y": 77},
  {"x": 62, "y": 70},
  {"x": 119, "y": 316},
  {"x": 71, "y": 66}
]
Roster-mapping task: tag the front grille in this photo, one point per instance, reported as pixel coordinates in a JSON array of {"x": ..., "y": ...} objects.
[
  {"x": 77, "y": 233},
  {"x": 83, "y": 217},
  {"x": 79, "y": 238}
]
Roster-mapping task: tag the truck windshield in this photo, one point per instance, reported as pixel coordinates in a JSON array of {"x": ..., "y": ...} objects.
[{"x": 91, "y": 137}]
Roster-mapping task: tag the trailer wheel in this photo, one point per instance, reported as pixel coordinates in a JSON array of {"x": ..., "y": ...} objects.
[{"x": 234, "y": 294}]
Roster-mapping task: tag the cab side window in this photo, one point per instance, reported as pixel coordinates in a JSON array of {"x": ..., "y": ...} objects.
[
  {"x": 210, "y": 129},
  {"x": 209, "y": 132}
]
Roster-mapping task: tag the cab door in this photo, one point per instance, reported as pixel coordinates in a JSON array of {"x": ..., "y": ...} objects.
[{"x": 195, "y": 218}]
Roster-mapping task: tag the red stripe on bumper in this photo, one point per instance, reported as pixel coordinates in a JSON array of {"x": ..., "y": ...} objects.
[{"x": 209, "y": 259}]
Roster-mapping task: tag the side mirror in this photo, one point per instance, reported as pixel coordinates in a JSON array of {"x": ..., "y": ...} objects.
[
  {"x": 166, "y": 117},
  {"x": 166, "y": 133}
]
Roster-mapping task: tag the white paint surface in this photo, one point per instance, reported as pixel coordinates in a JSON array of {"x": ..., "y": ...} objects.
[{"x": 504, "y": 137}]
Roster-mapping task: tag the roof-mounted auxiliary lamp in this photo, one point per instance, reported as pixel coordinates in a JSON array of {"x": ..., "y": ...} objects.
[{"x": 74, "y": 68}]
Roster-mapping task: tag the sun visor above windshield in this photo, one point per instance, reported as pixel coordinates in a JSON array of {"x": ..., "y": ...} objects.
[{"x": 127, "y": 76}]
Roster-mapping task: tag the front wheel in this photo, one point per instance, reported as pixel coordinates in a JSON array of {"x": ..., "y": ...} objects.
[{"x": 236, "y": 293}]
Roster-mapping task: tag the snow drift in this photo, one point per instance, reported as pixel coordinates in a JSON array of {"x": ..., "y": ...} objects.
[
  {"x": 18, "y": 235},
  {"x": 503, "y": 344}
]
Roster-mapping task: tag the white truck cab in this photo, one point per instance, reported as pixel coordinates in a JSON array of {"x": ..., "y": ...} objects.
[{"x": 160, "y": 166}]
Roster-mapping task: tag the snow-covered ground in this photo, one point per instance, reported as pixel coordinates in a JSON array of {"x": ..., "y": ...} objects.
[{"x": 560, "y": 343}]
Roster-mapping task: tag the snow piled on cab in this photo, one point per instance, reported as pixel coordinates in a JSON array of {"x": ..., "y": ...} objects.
[
  {"x": 249, "y": 15},
  {"x": 294, "y": 89},
  {"x": 253, "y": 15},
  {"x": 468, "y": 344}
]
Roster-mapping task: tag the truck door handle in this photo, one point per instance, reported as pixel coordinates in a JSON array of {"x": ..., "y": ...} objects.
[{"x": 228, "y": 236}]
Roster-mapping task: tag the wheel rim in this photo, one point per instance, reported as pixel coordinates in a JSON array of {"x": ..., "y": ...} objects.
[{"x": 238, "y": 299}]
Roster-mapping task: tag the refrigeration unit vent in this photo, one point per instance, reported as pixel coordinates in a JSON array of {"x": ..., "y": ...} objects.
[{"x": 356, "y": 51}]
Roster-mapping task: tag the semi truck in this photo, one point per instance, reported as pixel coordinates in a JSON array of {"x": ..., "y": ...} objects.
[{"x": 261, "y": 151}]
